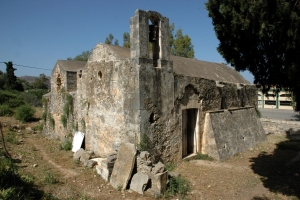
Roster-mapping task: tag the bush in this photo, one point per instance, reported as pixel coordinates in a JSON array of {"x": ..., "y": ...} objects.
[
  {"x": 24, "y": 113},
  {"x": 144, "y": 144},
  {"x": 5, "y": 110},
  {"x": 34, "y": 97},
  {"x": 11, "y": 98},
  {"x": 170, "y": 167},
  {"x": 177, "y": 185},
  {"x": 31, "y": 99},
  {"x": 66, "y": 144},
  {"x": 38, "y": 127}
]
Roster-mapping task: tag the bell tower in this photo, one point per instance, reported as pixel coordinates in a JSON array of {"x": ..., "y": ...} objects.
[{"x": 149, "y": 38}]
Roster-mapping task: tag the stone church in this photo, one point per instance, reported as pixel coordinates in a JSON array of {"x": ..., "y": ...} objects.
[{"x": 181, "y": 105}]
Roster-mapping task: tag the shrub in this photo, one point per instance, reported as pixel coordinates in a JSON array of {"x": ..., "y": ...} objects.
[
  {"x": 144, "y": 144},
  {"x": 24, "y": 113},
  {"x": 170, "y": 167},
  {"x": 177, "y": 185},
  {"x": 5, "y": 110},
  {"x": 11, "y": 98},
  {"x": 66, "y": 144},
  {"x": 38, "y": 127},
  {"x": 31, "y": 99}
]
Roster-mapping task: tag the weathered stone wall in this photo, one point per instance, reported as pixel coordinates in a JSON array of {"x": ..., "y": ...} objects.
[
  {"x": 106, "y": 97},
  {"x": 230, "y": 132},
  {"x": 156, "y": 80},
  {"x": 280, "y": 126},
  {"x": 55, "y": 105},
  {"x": 204, "y": 95}
]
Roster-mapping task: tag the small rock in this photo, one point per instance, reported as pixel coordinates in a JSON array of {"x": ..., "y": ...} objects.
[
  {"x": 91, "y": 153},
  {"x": 111, "y": 157},
  {"x": 139, "y": 182},
  {"x": 116, "y": 146},
  {"x": 29, "y": 130},
  {"x": 90, "y": 163},
  {"x": 78, "y": 154},
  {"x": 145, "y": 155},
  {"x": 158, "y": 168},
  {"x": 34, "y": 165},
  {"x": 173, "y": 174}
]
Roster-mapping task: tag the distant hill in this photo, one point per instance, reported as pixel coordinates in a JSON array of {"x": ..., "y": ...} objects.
[{"x": 31, "y": 79}]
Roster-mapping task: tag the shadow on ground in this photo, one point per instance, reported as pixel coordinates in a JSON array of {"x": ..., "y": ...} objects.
[{"x": 276, "y": 174}]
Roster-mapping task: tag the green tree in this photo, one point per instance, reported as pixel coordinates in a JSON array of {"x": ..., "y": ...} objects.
[
  {"x": 180, "y": 45},
  {"x": 41, "y": 82},
  {"x": 110, "y": 40},
  {"x": 2, "y": 80},
  {"x": 84, "y": 56},
  {"x": 261, "y": 36},
  {"x": 26, "y": 85},
  {"x": 11, "y": 82},
  {"x": 126, "y": 40}
]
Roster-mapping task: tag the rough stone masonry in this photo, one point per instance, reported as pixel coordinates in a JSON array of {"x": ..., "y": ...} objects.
[{"x": 180, "y": 106}]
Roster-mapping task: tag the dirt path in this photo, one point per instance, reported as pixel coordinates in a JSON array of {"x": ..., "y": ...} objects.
[{"x": 67, "y": 173}]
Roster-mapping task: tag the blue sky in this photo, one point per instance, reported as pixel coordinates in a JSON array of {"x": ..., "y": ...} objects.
[{"x": 37, "y": 33}]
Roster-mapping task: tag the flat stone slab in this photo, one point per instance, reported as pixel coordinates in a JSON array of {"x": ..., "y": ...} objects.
[
  {"x": 139, "y": 182},
  {"x": 123, "y": 166},
  {"x": 77, "y": 141},
  {"x": 159, "y": 182},
  {"x": 98, "y": 160}
]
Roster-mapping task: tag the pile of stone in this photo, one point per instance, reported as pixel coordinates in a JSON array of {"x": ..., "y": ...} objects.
[
  {"x": 85, "y": 157},
  {"x": 128, "y": 169},
  {"x": 143, "y": 173},
  {"x": 106, "y": 165},
  {"x": 147, "y": 172}
]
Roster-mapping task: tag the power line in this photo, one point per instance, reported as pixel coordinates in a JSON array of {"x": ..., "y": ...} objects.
[{"x": 30, "y": 67}]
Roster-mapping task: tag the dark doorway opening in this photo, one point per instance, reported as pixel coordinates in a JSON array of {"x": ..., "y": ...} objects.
[{"x": 189, "y": 131}]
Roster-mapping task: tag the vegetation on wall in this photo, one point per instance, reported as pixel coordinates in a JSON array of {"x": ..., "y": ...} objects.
[
  {"x": 51, "y": 120},
  {"x": 144, "y": 144},
  {"x": 68, "y": 106},
  {"x": 64, "y": 120}
]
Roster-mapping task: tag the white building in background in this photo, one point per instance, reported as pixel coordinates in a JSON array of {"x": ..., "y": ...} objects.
[{"x": 281, "y": 100}]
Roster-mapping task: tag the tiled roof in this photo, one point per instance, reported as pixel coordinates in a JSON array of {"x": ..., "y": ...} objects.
[{"x": 181, "y": 66}]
